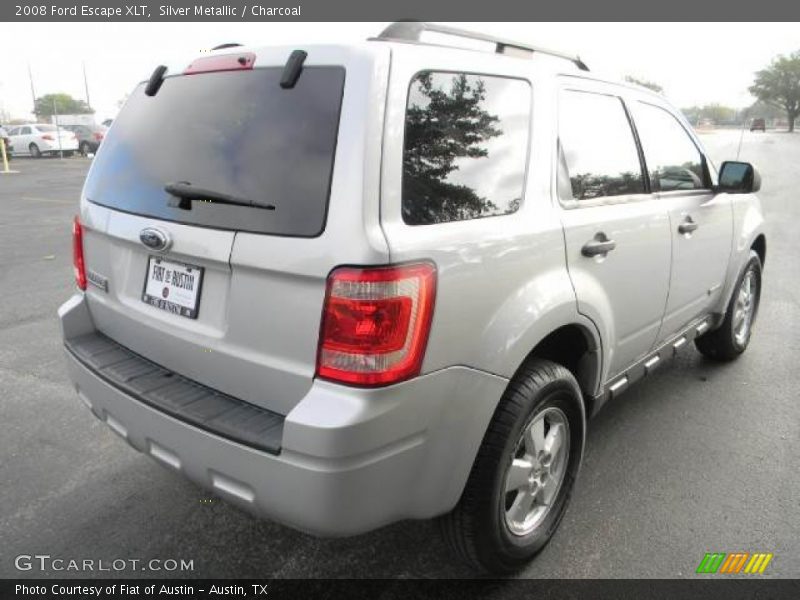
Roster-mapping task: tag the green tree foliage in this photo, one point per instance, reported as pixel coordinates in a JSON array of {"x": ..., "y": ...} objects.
[
  {"x": 779, "y": 85},
  {"x": 715, "y": 112},
  {"x": 765, "y": 111},
  {"x": 62, "y": 104},
  {"x": 650, "y": 85},
  {"x": 448, "y": 125}
]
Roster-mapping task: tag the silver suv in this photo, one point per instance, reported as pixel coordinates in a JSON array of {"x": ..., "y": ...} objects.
[{"x": 341, "y": 286}]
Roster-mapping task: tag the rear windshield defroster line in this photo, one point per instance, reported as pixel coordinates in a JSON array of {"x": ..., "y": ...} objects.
[{"x": 238, "y": 133}]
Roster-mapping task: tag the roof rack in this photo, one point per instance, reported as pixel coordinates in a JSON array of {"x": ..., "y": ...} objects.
[{"x": 411, "y": 31}]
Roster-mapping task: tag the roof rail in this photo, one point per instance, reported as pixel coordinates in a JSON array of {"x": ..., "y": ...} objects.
[{"x": 411, "y": 31}]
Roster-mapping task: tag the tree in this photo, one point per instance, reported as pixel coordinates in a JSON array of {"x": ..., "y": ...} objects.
[
  {"x": 447, "y": 125},
  {"x": 779, "y": 85},
  {"x": 650, "y": 85},
  {"x": 764, "y": 110},
  {"x": 62, "y": 104},
  {"x": 714, "y": 112}
]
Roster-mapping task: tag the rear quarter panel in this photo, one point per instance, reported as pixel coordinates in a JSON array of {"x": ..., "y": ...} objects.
[{"x": 502, "y": 281}]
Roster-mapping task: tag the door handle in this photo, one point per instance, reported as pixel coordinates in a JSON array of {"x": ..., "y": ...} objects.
[
  {"x": 599, "y": 245},
  {"x": 688, "y": 226}
]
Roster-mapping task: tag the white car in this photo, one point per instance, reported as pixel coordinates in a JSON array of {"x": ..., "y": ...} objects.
[{"x": 37, "y": 139}]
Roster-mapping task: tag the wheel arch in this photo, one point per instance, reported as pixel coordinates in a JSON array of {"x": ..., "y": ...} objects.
[
  {"x": 577, "y": 347},
  {"x": 759, "y": 245}
]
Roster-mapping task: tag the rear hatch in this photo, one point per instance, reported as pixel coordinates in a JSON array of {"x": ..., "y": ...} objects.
[{"x": 235, "y": 175}]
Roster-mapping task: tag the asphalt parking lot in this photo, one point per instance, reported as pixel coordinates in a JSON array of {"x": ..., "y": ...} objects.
[{"x": 701, "y": 457}]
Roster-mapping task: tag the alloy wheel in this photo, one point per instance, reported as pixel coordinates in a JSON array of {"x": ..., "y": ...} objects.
[{"x": 537, "y": 470}]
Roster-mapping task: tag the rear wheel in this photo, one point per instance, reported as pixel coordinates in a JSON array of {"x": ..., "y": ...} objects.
[
  {"x": 522, "y": 478},
  {"x": 34, "y": 150},
  {"x": 85, "y": 148},
  {"x": 731, "y": 338}
]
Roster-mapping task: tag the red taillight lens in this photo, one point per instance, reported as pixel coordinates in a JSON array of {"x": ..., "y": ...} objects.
[
  {"x": 77, "y": 254},
  {"x": 98, "y": 137},
  {"x": 47, "y": 137},
  {"x": 375, "y": 323}
]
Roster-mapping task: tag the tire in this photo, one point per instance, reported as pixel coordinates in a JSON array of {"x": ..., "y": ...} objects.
[
  {"x": 68, "y": 153},
  {"x": 729, "y": 340},
  {"x": 35, "y": 152},
  {"x": 478, "y": 529},
  {"x": 85, "y": 149}
]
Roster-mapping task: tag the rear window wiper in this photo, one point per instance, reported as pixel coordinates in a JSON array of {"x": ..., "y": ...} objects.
[{"x": 185, "y": 192}]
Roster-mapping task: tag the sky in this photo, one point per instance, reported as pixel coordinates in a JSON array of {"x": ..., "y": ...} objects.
[{"x": 696, "y": 63}]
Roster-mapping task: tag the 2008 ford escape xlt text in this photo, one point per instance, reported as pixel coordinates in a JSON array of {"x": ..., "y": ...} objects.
[{"x": 345, "y": 285}]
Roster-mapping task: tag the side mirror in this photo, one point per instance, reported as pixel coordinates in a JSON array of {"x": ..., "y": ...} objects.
[{"x": 738, "y": 178}]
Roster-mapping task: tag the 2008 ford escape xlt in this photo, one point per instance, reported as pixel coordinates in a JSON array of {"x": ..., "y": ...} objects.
[{"x": 341, "y": 286}]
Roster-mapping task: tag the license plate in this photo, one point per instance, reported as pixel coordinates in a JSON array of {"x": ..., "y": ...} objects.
[{"x": 173, "y": 286}]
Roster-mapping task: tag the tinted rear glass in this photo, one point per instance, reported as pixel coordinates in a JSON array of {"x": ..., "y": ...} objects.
[
  {"x": 465, "y": 148},
  {"x": 236, "y": 133},
  {"x": 598, "y": 154}
]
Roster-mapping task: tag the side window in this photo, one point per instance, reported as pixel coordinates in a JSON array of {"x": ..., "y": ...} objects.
[
  {"x": 597, "y": 150},
  {"x": 465, "y": 147},
  {"x": 13, "y": 131},
  {"x": 672, "y": 158},
  {"x": 25, "y": 131}
]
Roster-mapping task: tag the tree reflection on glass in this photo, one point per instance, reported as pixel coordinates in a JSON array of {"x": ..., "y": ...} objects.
[
  {"x": 598, "y": 150},
  {"x": 446, "y": 124},
  {"x": 588, "y": 185}
]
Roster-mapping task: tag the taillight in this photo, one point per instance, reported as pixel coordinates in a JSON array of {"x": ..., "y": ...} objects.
[
  {"x": 98, "y": 137},
  {"x": 375, "y": 323},
  {"x": 77, "y": 254},
  {"x": 47, "y": 137}
]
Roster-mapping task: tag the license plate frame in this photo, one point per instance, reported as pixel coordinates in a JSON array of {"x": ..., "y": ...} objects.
[{"x": 182, "y": 307}]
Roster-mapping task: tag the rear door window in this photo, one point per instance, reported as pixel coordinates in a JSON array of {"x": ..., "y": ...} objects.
[
  {"x": 236, "y": 133},
  {"x": 465, "y": 147},
  {"x": 597, "y": 151}
]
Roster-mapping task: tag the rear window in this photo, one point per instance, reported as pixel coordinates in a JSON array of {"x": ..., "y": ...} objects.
[
  {"x": 236, "y": 133},
  {"x": 597, "y": 151}
]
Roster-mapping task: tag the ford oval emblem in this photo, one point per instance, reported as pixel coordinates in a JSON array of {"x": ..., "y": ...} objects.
[{"x": 155, "y": 239}]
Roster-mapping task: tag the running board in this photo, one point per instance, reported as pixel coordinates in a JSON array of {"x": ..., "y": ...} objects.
[{"x": 650, "y": 362}]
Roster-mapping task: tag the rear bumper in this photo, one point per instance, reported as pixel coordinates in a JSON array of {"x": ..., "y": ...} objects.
[
  {"x": 350, "y": 459},
  {"x": 45, "y": 146}
]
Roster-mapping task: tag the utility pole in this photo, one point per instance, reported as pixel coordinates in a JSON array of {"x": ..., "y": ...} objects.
[
  {"x": 86, "y": 86},
  {"x": 58, "y": 130},
  {"x": 33, "y": 92}
]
